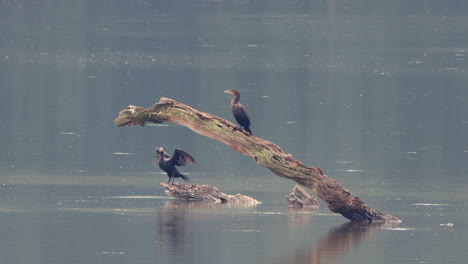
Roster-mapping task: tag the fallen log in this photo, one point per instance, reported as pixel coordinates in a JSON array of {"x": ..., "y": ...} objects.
[
  {"x": 263, "y": 152},
  {"x": 299, "y": 198},
  {"x": 206, "y": 193}
]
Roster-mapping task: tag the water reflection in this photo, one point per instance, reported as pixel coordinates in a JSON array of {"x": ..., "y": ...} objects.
[
  {"x": 338, "y": 242},
  {"x": 300, "y": 217},
  {"x": 176, "y": 226},
  {"x": 174, "y": 233}
]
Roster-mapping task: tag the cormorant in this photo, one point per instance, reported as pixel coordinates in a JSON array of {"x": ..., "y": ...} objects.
[
  {"x": 239, "y": 112},
  {"x": 168, "y": 163}
]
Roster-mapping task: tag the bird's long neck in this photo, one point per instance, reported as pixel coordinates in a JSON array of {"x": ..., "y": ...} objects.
[{"x": 235, "y": 99}]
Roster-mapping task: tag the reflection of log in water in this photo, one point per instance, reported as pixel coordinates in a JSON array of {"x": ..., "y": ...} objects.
[{"x": 338, "y": 242}]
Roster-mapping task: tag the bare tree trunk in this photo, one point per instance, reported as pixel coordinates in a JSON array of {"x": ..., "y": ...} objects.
[{"x": 263, "y": 152}]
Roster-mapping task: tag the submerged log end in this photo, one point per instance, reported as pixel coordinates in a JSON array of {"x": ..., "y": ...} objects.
[
  {"x": 360, "y": 211},
  {"x": 206, "y": 193},
  {"x": 299, "y": 198},
  {"x": 357, "y": 214}
]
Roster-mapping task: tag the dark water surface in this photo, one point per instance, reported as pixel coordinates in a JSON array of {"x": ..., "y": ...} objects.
[{"x": 373, "y": 93}]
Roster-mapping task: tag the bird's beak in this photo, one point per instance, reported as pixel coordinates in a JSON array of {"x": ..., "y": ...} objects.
[{"x": 229, "y": 92}]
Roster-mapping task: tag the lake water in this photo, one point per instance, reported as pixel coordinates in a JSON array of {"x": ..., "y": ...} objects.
[{"x": 373, "y": 93}]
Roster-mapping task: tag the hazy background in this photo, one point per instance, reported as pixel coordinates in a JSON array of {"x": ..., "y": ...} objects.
[{"x": 373, "y": 92}]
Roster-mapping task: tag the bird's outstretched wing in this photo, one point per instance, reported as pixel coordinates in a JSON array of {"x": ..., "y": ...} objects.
[{"x": 180, "y": 158}]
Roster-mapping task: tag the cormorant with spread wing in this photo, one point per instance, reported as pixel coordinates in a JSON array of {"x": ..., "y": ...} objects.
[
  {"x": 168, "y": 163},
  {"x": 239, "y": 112}
]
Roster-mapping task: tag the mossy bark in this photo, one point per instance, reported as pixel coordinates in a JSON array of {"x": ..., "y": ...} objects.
[{"x": 263, "y": 152}]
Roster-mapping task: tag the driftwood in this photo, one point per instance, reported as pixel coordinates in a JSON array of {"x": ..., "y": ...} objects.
[
  {"x": 299, "y": 198},
  {"x": 206, "y": 193},
  {"x": 263, "y": 152}
]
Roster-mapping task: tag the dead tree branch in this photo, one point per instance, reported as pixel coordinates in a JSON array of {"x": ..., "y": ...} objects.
[{"x": 263, "y": 152}]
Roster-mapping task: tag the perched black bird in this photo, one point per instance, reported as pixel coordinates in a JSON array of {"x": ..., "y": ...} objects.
[
  {"x": 168, "y": 163},
  {"x": 239, "y": 112}
]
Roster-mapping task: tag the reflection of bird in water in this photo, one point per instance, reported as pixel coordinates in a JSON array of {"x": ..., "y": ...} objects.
[
  {"x": 239, "y": 112},
  {"x": 175, "y": 230},
  {"x": 168, "y": 163}
]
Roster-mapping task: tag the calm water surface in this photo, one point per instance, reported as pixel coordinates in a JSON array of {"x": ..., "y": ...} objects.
[{"x": 373, "y": 93}]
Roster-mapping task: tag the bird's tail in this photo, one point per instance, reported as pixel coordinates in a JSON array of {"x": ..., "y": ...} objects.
[
  {"x": 248, "y": 130},
  {"x": 184, "y": 177}
]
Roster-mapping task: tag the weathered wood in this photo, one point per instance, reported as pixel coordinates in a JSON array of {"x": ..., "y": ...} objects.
[
  {"x": 263, "y": 152},
  {"x": 299, "y": 198},
  {"x": 206, "y": 193}
]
